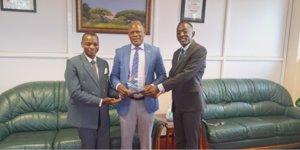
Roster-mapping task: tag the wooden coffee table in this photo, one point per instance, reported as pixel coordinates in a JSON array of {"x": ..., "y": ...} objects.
[{"x": 170, "y": 130}]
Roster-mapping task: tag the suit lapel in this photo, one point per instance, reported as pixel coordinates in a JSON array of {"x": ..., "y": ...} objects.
[
  {"x": 148, "y": 53},
  {"x": 187, "y": 53},
  {"x": 126, "y": 56},
  {"x": 175, "y": 61},
  {"x": 88, "y": 68},
  {"x": 100, "y": 69}
]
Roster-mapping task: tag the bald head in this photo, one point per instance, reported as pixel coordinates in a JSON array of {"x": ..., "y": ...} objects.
[
  {"x": 134, "y": 24},
  {"x": 136, "y": 33}
]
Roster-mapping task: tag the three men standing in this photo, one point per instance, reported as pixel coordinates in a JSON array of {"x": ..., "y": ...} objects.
[{"x": 137, "y": 63}]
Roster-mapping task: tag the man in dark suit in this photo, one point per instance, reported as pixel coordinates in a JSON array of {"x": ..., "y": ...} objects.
[
  {"x": 89, "y": 86},
  {"x": 184, "y": 79}
]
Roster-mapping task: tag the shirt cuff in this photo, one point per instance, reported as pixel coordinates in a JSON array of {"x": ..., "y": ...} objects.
[
  {"x": 100, "y": 102},
  {"x": 117, "y": 86},
  {"x": 161, "y": 88}
]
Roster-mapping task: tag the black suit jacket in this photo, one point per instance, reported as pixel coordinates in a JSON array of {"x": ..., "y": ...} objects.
[{"x": 185, "y": 79}]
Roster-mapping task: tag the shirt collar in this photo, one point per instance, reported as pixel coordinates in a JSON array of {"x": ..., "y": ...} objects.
[
  {"x": 142, "y": 46},
  {"x": 187, "y": 46},
  {"x": 89, "y": 59}
]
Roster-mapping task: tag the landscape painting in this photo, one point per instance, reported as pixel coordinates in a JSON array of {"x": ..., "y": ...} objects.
[{"x": 112, "y": 16}]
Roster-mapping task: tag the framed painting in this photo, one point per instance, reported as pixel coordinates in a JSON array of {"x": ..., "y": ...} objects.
[
  {"x": 18, "y": 5},
  {"x": 193, "y": 10},
  {"x": 112, "y": 16}
]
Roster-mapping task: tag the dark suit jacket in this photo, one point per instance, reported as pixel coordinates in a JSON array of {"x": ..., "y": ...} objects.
[
  {"x": 185, "y": 79},
  {"x": 85, "y": 92}
]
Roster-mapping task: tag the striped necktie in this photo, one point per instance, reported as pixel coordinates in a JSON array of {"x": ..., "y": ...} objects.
[{"x": 135, "y": 66}]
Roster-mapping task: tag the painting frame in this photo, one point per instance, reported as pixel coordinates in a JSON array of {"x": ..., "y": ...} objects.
[
  {"x": 189, "y": 19},
  {"x": 80, "y": 28},
  {"x": 19, "y": 10}
]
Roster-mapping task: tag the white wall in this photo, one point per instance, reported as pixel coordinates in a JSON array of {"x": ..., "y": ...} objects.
[
  {"x": 41, "y": 32},
  {"x": 244, "y": 39},
  {"x": 33, "y": 46},
  {"x": 292, "y": 72}
]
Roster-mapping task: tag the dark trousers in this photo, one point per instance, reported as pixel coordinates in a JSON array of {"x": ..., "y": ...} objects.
[
  {"x": 187, "y": 129},
  {"x": 95, "y": 138}
]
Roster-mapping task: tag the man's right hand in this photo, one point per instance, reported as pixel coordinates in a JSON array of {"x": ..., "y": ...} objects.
[
  {"x": 123, "y": 91},
  {"x": 110, "y": 101},
  {"x": 152, "y": 91}
]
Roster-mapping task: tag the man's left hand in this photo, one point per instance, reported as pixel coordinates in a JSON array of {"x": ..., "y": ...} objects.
[{"x": 152, "y": 91}]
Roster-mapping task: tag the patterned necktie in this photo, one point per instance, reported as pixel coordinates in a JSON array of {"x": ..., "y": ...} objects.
[
  {"x": 135, "y": 66},
  {"x": 95, "y": 70},
  {"x": 181, "y": 55}
]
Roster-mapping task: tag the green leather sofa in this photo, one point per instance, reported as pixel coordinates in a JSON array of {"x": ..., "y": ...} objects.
[
  {"x": 257, "y": 114},
  {"x": 34, "y": 116}
]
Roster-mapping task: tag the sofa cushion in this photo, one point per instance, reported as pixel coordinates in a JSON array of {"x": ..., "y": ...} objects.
[
  {"x": 267, "y": 108},
  {"x": 253, "y": 143},
  {"x": 29, "y": 140},
  {"x": 256, "y": 128},
  {"x": 238, "y": 109},
  {"x": 67, "y": 139},
  {"x": 33, "y": 121},
  {"x": 284, "y": 125},
  {"x": 114, "y": 117},
  {"x": 230, "y": 131},
  {"x": 115, "y": 138},
  {"x": 214, "y": 111}
]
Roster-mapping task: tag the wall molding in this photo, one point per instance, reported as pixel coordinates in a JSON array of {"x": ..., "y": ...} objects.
[
  {"x": 154, "y": 23},
  {"x": 165, "y": 57}
]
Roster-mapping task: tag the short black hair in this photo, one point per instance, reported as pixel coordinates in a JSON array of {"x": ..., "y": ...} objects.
[
  {"x": 89, "y": 33},
  {"x": 185, "y": 22}
]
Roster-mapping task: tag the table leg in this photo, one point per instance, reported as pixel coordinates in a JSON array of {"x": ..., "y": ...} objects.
[
  {"x": 173, "y": 138},
  {"x": 167, "y": 139}
]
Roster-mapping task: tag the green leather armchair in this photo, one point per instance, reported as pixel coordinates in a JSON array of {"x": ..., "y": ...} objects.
[
  {"x": 257, "y": 114},
  {"x": 34, "y": 116}
]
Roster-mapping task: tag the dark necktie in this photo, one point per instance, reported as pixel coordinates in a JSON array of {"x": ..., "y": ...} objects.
[
  {"x": 181, "y": 55},
  {"x": 95, "y": 70}
]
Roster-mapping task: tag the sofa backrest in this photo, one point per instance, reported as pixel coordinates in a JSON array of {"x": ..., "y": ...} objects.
[
  {"x": 114, "y": 116},
  {"x": 29, "y": 107},
  {"x": 227, "y": 98},
  {"x": 37, "y": 106},
  {"x": 63, "y": 103}
]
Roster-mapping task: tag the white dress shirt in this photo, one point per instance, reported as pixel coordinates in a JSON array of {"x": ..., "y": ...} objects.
[
  {"x": 141, "y": 69},
  {"x": 160, "y": 86},
  {"x": 90, "y": 60}
]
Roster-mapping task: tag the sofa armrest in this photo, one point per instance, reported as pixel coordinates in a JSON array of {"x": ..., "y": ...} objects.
[
  {"x": 158, "y": 126},
  {"x": 292, "y": 112},
  {"x": 4, "y": 132},
  {"x": 203, "y": 137}
]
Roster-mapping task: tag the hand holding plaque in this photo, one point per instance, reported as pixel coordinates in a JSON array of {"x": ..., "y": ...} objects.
[
  {"x": 152, "y": 91},
  {"x": 134, "y": 87}
]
